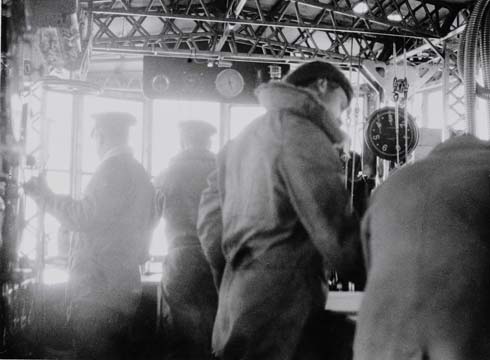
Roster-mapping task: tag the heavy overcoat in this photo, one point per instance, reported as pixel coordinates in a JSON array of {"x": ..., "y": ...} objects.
[{"x": 283, "y": 212}]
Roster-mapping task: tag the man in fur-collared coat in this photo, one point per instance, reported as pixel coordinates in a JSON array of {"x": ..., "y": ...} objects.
[
  {"x": 427, "y": 240},
  {"x": 284, "y": 216}
]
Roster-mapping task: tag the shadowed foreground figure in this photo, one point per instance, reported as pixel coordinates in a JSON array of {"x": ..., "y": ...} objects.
[
  {"x": 187, "y": 281},
  {"x": 427, "y": 241},
  {"x": 279, "y": 198}
]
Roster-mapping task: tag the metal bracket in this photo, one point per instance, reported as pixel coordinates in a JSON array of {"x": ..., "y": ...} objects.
[{"x": 385, "y": 74}]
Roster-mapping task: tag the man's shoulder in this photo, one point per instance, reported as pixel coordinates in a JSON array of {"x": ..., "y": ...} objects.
[
  {"x": 122, "y": 168},
  {"x": 301, "y": 131}
]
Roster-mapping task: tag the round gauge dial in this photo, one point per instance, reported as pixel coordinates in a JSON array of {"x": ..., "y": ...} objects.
[
  {"x": 380, "y": 134},
  {"x": 229, "y": 83},
  {"x": 160, "y": 83}
]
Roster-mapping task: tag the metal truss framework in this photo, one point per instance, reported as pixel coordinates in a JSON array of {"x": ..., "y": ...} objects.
[
  {"x": 266, "y": 30},
  {"x": 453, "y": 96}
]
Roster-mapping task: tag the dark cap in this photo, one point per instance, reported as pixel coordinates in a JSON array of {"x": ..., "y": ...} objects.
[
  {"x": 307, "y": 73},
  {"x": 196, "y": 129},
  {"x": 113, "y": 121}
]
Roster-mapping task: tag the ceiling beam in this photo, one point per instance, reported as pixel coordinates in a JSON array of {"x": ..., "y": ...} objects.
[
  {"x": 304, "y": 26},
  {"x": 211, "y": 55},
  {"x": 373, "y": 19},
  {"x": 429, "y": 46},
  {"x": 228, "y": 27}
]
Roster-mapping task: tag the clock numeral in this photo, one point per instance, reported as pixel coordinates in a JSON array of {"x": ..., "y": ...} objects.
[
  {"x": 385, "y": 147},
  {"x": 376, "y": 137}
]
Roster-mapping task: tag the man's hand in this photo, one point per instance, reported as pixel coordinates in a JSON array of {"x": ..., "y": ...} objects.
[{"x": 37, "y": 188}]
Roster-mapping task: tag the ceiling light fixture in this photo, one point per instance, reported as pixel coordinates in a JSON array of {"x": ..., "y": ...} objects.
[
  {"x": 396, "y": 17},
  {"x": 361, "y": 8}
]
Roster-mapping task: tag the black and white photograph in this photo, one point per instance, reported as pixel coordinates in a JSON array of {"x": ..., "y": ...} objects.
[{"x": 245, "y": 179}]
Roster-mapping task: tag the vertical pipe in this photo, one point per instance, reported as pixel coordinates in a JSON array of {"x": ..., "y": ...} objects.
[
  {"x": 470, "y": 52},
  {"x": 41, "y": 243},
  {"x": 485, "y": 57},
  {"x": 445, "y": 94},
  {"x": 147, "y": 134},
  {"x": 76, "y": 149}
]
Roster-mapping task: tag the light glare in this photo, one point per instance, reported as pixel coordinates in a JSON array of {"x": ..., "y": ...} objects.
[
  {"x": 55, "y": 276},
  {"x": 361, "y": 8},
  {"x": 395, "y": 17}
]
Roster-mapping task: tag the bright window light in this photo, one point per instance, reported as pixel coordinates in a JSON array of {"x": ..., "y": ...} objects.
[
  {"x": 395, "y": 17},
  {"x": 55, "y": 276},
  {"x": 361, "y": 8},
  {"x": 58, "y": 115}
]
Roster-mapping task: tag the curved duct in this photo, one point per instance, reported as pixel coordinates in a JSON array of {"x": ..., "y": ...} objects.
[
  {"x": 467, "y": 59},
  {"x": 485, "y": 56}
]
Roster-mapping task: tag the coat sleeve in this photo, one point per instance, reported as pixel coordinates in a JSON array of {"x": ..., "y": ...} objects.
[
  {"x": 313, "y": 179},
  {"x": 209, "y": 227},
  {"x": 105, "y": 198}
]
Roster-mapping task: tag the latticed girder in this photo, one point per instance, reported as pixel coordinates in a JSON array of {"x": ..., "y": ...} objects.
[
  {"x": 453, "y": 95},
  {"x": 277, "y": 30}
]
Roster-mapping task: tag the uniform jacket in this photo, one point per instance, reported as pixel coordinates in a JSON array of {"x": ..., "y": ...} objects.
[
  {"x": 114, "y": 220},
  {"x": 188, "y": 287},
  {"x": 178, "y": 192},
  {"x": 427, "y": 241},
  {"x": 282, "y": 206}
]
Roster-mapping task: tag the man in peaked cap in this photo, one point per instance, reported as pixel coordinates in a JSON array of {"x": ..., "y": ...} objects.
[
  {"x": 115, "y": 123},
  {"x": 196, "y": 134},
  {"x": 113, "y": 221},
  {"x": 187, "y": 282}
]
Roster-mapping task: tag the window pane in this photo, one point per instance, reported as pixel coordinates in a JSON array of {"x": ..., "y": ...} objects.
[
  {"x": 27, "y": 246},
  {"x": 434, "y": 105},
  {"x": 241, "y": 116},
  {"x": 482, "y": 119},
  {"x": 352, "y": 123},
  {"x": 59, "y": 118},
  {"x": 59, "y": 182},
  {"x": 95, "y": 105}
]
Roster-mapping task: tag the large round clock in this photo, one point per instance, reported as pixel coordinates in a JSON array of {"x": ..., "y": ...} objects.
[
  {"x": 380, "y": 134},
  {"x": 229, "y": 83}
]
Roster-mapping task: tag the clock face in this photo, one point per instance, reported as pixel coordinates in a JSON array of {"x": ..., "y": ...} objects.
[
  {"x": 229, "y": 83},
  {"x": 381, "y": 134}
]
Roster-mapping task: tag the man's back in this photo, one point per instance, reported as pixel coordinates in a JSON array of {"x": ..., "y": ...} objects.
[
  {"x": 429, "y": 279},
  {"x": 114, "y": 221},
  {"x": 259, "y": 216},
  {"x": 283, "y": 205},
  {"x": 179, "y": 191}
]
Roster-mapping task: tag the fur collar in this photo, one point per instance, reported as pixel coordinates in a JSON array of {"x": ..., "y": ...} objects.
[{"x": 277, "y": 95}]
